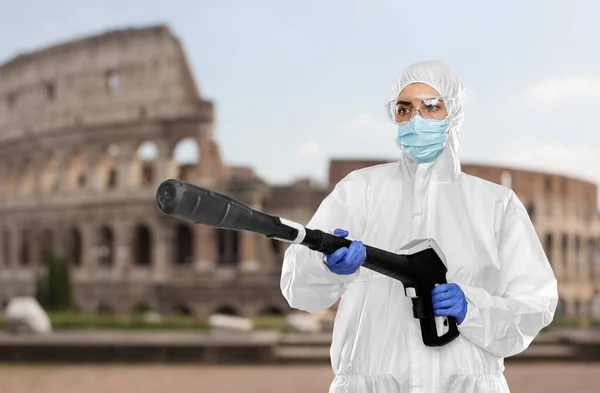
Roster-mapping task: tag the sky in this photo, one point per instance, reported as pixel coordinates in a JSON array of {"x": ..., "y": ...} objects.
[{"x": 296, "y": 84}]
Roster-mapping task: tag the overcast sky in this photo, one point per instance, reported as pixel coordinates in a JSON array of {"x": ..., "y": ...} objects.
[{"x": 296, "y": 83}]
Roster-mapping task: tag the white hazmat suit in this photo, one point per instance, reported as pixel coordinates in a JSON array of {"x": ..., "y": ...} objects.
[{"x": 493, "y": 254}]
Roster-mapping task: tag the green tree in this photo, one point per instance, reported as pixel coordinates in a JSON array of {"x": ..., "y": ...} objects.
[{"x": 54, "y": 289}]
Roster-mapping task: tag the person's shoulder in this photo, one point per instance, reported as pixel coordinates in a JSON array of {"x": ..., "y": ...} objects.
[
  {"x": 486, "y": 187},
  {"x": 371, "y": 172},
  {"x": 369, "y": 177}
]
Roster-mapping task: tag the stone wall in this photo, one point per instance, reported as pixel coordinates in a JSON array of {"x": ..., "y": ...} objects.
[{"x": 74, "y": 119}]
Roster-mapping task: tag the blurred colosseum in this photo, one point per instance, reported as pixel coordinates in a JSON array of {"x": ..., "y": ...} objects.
[{"x": 90, "y": 128}]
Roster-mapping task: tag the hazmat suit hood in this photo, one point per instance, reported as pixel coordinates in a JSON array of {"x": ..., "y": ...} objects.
[{"x": 446, "y": 82}]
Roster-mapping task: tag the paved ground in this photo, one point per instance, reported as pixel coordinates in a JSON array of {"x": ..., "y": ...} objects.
[{"x": 530, "y": 378}]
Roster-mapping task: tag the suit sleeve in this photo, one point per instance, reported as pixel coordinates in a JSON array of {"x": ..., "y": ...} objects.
[
  {"x": 306, "y": 283},
  {"x": 505, "y": 325}
]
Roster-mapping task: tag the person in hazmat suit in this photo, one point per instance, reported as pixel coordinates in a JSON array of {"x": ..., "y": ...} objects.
[{"x": 501, "y": 288}]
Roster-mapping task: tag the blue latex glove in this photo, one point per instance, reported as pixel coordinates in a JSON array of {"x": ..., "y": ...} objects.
[
  {"x": 346, "y": 260},
  {"x": 449, "y": 301}
]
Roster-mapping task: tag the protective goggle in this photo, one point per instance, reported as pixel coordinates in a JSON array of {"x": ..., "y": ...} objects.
[{"x": 429, "y": 107}]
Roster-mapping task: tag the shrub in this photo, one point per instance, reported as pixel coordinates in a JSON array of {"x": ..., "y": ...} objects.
[{"x": 54, "y": 291}]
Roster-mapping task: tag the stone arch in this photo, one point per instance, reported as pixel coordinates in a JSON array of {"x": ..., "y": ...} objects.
[
  {"x": 591, "y": 252},
  {"x": 145, "y": 163},
  {"x": 564, "y": 251},
  {"x": 142, "y": 247},
  {"x": 578, "y": 255},
  {"x": 24, "y": 255},
  {"x": 27, "y": 181},
  {"x": 141, "y": 308},
  {"x": 271, "y": 311},
  {"x": 46, "y": 247},
  {"x": 10, "y": 180},
  {"x": 186, "y": 154},
  {"x": 50, "y": 175},
  {"x": 228, "y": 250},
  {"x": 3, "y": 179},
  {"x": 183, "y": 310},
  {"x": 109, "y": 167},
  {"x": 106, "y": 246},
  {"x": 549, "y": 246},
  {"x": 561, "y": 307},
  {"x": 7, "y": 247},
  {"x": 73, "y": 247},
  {"x": 277, "y": 251},
  {"x": 531, "y": 211},
  {"x": 577, "y": 307},
  {"x": 112, "y": 79},
  {"x": 227, "y": 309},
  {"x": 184, "y": 249},
  {"x": 76, "y": 170},
  {"x": 105, "y": 308},
  {"x": 597, "y": 259},
  {"x": 548, "y": 182}
]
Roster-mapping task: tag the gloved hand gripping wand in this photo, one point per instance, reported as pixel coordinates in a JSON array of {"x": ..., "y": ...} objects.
[{"x": 419, "y": 265}]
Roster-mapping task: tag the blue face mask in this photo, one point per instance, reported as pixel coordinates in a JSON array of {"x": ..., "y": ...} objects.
[{"x": 423, "y": 140}]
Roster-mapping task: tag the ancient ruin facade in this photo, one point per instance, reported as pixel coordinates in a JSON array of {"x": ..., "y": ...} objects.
[
  {"x": 90, "y": 128},
  {"x": 73, "y": 121}
]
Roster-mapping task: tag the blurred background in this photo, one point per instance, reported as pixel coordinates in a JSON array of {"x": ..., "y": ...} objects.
[{"x": 271, "y": 103}]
